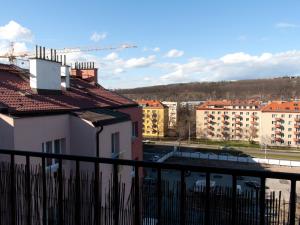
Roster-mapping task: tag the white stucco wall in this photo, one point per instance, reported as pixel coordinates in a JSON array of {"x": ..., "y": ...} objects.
[
  {"x": 45, "y": 74},
  {"x": 31, "y": 132}
]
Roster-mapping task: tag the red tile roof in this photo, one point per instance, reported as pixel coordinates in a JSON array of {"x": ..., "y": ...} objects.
[
  {"x": 151, "y": 103},
  {"x": 280, "y": 106},
  {"x": 17, "y": 97},
  {"x": 222, "y": 103}
]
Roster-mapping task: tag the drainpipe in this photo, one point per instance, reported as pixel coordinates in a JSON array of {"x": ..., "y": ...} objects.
[{"x": 100, "y": 129}]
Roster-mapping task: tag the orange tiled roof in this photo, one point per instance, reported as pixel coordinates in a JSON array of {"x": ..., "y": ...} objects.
[
  {"x": 236, "y": 102},
  {"x": 151, "y": 103},
  {"x": 280, "y": 106}
]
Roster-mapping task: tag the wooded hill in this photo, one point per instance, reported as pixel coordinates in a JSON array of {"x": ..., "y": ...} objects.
[{"x": 281, "y": 88}]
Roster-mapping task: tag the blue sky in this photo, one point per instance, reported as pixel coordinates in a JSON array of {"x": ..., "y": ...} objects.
[{"x": 178, "y": 41}]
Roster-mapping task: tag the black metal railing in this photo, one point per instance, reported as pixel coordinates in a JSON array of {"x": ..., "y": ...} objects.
[{"x": 32, "y": 194}]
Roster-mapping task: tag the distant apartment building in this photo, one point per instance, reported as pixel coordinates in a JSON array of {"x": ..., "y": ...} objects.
[
  {"x": 173, "y": 107},
  {"x": 281, "y": 124},
  {"x": 155, "y": 118},
  {"x": 276, "y": 123},
  {"x": 191, "y": 104},
  {"x": 229, "y": 120}
]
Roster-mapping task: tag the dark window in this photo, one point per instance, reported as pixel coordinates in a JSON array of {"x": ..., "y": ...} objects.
[
  {"x": 135, "y": 129},
  {"x": 115, "y": 144}
]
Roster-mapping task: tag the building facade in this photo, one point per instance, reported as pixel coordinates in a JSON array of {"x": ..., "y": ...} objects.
[
  {"x": 173, "y": 107},
  {"x": 54, "y": 109},
  {"x": 281, "y": 124},
  {"x": 229, "y": 120},
  {"x": 155, "y": 118},
  {"x": 276, "y": 123}
]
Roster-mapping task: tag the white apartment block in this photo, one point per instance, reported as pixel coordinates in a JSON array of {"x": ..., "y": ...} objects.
[
  {"x": 172, "y": 113},
  {"x": 228, "y": 120},
  {"x": 274, "y": 124},
  {"x": 281, "y": 124}
]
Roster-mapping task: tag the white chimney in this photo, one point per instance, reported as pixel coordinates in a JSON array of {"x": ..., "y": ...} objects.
[
  {"x": 45, "y": 74},
  {"x": 65, "y": 77}
]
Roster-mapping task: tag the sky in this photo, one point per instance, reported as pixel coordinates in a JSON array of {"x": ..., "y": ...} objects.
[{"x": 177, "y": 41}]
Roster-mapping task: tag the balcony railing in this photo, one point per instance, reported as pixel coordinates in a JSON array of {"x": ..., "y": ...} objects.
[{"x": 32, "y": 194}]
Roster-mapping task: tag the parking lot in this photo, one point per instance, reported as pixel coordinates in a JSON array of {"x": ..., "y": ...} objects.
[{"x": 245, "y": 183}]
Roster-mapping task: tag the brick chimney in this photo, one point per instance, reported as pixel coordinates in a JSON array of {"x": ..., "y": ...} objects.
[{"x": 85, "y": 71}]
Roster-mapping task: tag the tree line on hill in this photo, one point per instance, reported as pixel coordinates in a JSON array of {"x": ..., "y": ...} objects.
[{"x": 282, "y": 88}]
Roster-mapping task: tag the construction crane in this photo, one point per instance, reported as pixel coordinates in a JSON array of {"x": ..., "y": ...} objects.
[
  {"x": 12, "y": 56},
  {"x": 90, "y": 49}
]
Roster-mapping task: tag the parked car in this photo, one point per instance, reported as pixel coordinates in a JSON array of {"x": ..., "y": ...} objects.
[
  {"x": 155, "y": 158},
  {"x": 253, "y": 184},
  {"x": 199, "y": 184}
]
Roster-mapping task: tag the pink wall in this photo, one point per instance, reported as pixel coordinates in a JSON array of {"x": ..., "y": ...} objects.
[{"x": 136, "y": 114}]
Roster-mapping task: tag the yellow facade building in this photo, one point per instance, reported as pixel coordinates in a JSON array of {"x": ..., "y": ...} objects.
[{"x": 155, "y": 118}]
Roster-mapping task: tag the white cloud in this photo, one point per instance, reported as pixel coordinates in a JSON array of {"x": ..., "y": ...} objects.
[
  {"x": 234, "y": 66},
  {"x": 174, "y": 53},
  {"x": 15, "y": 32},
  {"x": 140, "y": 62},
  {"x": 284, "y": 25},
  {"x": 118, "y": 70},
  {"x": 112, "y": 56},
  {"x": 156, "y": 49},
  {"x": 98, "y": 36}
]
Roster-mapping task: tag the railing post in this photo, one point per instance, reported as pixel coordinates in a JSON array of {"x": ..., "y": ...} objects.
[
  {"x": 207, "y": 194},
  {"x": 116, "y": 194},
  {"x": 96, "y": 194},
  {"x": 182, "y": 198},
  {"x": 78, "y": 203},
  {"x": 44, "y": 191},
  {"x": 136, "y": 196},
  {"x": 293, "y": 202},
  {"x": 60, "y": 193},
  {"x": 233, "y": 203},
  {"x": 262, "y": 203},
  {"x": 28, "y": 190},
  {"x": 13, "y": 189},
  {"x": 159, "y": 196}
]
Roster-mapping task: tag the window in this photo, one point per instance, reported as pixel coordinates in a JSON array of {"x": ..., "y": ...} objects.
[
  {"x": 247, "y": 113},
  {"x": 273, "y": 115},
  {"x": 290, "y": 115},
  {"x": 290, "y": 122},
  {"x": 247, "y": 119},
  {"x": 135, "y": 129},
  {"x": 290, "y": 129},
  {"x": 57, "y": 146},
  {"x": 289, "y": 142},
  {"x": 115, "y": 144},
  {"x": 289, "y": 136}
]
